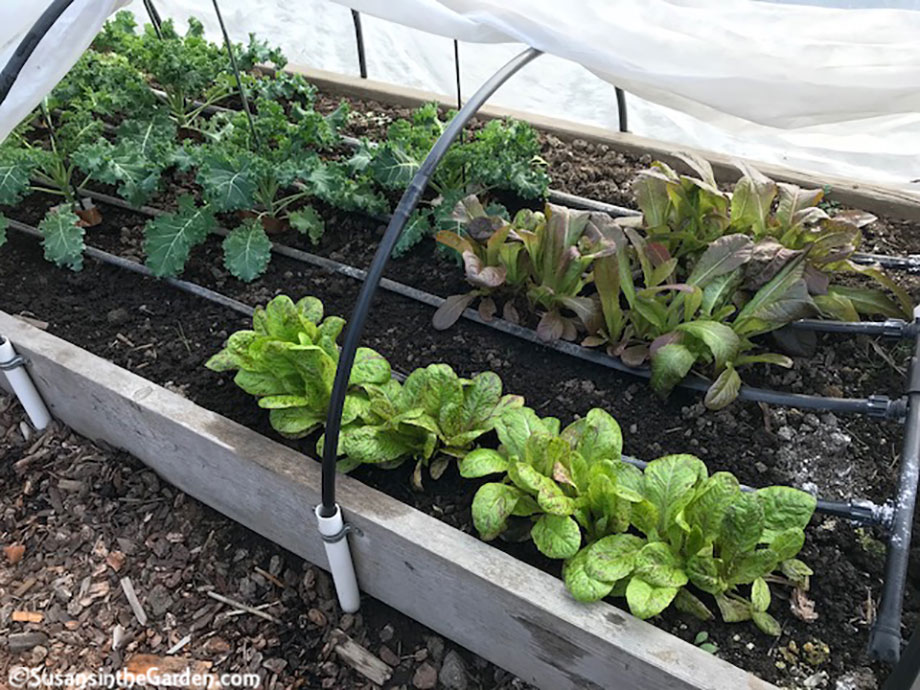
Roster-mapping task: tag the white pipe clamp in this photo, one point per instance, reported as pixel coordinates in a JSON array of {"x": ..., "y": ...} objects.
[
  {"x": 13, "y": 367},
  {"x": 335, "y": 539}
]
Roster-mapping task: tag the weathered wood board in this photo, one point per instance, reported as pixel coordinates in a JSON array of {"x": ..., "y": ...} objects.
[{"x": 516, "y": 616}]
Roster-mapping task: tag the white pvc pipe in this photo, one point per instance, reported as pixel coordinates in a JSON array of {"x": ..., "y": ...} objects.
[
  {"x": 339, "y": 556},
  {"x": 23, "y": 388}
]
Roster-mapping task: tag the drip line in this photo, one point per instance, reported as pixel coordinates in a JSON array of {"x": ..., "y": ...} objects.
[{"x": 875, "y": 406}]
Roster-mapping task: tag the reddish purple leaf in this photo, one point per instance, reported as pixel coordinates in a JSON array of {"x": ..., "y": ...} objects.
[
  {"x": 448, "y": 313},
  {"x": 635, "y": 355}
]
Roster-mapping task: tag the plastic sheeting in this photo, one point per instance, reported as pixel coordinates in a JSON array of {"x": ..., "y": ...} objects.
[
  {"x": 320, "y": 34},
  {"x": 818, "y": 87},
  {"x": 53, "y": 57},
  {"x": 782, "y": 66}
]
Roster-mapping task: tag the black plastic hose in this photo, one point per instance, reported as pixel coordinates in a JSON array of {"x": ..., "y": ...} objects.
[
  {"x": 910, "y": 263},
  {"x": 359, "y": 39},
  {"x": 889, "y": 328},
  {"x": 575, "y": 201},
  {"x": 406, "y": 205},
  {"x": 621, "y": 109},
  {"x": 154, "y": 18},
  {"x": 858, "y": 510},
  {"x": 134, "y": 267},
  {"x": 885, "y": 638},
  {"x": 27, "y": 45},
  {"x": 236, "y": 74},
  {"x": 906, "y": 673}
]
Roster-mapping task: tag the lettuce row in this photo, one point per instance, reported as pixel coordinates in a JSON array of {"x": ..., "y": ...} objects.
[
  {"x": 669, "y": 534},
  {"x": 689, "y": 285},
  {"x": 288, "y": 360},
  {"x": 646, "y": 535}
]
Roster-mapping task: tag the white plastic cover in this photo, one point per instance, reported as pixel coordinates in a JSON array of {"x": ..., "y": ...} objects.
[
  {"x": 53, "y": 56},
  {"x": 824, "y": 88},
  {"x": 779, "y": 65}
]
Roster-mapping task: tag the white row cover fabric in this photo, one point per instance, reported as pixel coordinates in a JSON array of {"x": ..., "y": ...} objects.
[
  {"x": 824, "y": 89},
  {"x": 53, "y": 57},
  {"x": 784, "y": 66}
]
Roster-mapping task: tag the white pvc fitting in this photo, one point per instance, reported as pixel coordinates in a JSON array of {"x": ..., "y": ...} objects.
[
  {"x": 340, "y": 563},
  {"x": 22, "y": 386}
]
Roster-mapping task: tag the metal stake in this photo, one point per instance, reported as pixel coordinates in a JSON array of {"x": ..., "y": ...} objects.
[{"x": 621, "y": 108}]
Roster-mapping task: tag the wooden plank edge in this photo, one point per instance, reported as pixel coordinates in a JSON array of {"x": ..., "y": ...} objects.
[
  {"x": 879, "y": 199},
  {"x": 508, "y": 612}
]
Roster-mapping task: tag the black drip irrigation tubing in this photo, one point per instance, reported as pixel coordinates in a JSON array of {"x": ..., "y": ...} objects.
[
  {"x": 140, "y": 269},
  {"x": 875, "y": 406},
  {"x": 856, "y": 510},
  {"x": 909, "y": 264},
  {"x": 885, "y": 638},
  {"x": 897, "y": 519}
]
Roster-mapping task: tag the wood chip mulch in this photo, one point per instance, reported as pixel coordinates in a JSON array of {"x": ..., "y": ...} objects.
[{"x": 103, "y": 566}]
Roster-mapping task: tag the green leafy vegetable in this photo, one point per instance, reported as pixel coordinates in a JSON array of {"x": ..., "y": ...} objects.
[
  {"x": 288, "y": 361},
  {"x": 169, "y": 238},
  {"x": 63, "y": 238},
  {"x": 247, "y": 251}
]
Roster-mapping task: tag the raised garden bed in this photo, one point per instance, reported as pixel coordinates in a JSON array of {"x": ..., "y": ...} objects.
[
  {"x": 500, "y": 608},
  {"x": 151, "y": 329},
  {"x": 182, "y": 332}
]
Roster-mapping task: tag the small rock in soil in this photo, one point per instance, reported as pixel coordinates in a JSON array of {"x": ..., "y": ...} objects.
[
  {"x": 276, "y": 666},
  {"x": 426, "y": 677},
  {"x": 388, "y": 656},
  {"x": 860, "y": 679},
  {"x": 117, "y": 316},
  {"x": 317, "y": 617},
  {"x": 39, "y": 654},
  {"x": 453, "y": 672},
  {"x": 275, "y": 565},
  {"x": 158, "y": 601},
  {"x": 386, "y": 633},
  {"x": 247, "y": 588}
]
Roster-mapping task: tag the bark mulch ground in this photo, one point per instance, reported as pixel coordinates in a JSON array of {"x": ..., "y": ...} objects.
[{"x": 77, "y": 519}]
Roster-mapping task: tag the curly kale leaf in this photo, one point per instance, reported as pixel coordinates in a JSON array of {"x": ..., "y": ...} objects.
[
  {"x": 63, "y": 238},
  {"x": 247, "y": 250},
  {"x": 170, "y": 238}
]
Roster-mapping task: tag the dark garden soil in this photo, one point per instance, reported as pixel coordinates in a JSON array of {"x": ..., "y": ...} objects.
[
  {"x": 158, "y": 332},
  {"x": 596, "y": 171},
  {"x": 76, "y": 518}
]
